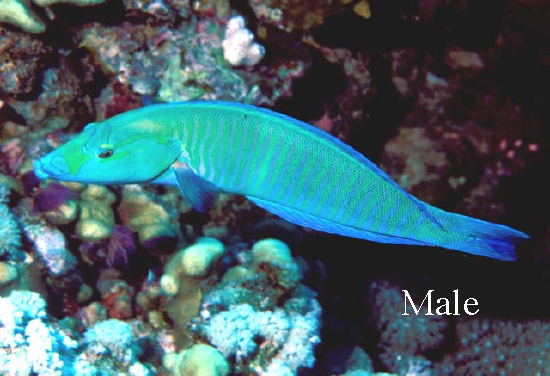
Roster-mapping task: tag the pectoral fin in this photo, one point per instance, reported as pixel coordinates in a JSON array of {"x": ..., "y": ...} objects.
[{"x": 197, "y": 191}]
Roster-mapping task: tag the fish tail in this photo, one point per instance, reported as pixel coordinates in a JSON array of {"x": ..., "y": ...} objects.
[{"x": 478, "y": 237}]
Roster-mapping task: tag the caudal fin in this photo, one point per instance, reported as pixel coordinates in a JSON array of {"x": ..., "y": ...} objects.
[{"x": 479, "y": 237}]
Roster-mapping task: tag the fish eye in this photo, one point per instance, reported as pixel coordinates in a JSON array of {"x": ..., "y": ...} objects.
[{"x": 105, "y": 153}]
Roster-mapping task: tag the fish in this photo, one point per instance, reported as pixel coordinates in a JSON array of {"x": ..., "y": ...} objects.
[{"x": 286, "y": 166}]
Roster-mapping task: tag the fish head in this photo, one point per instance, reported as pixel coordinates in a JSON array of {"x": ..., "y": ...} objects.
[{"x": 110, "y": 153}]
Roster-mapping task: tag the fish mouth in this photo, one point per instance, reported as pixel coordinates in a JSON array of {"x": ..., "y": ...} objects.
[
  {"x": 55, "y": 167},
  {"x": 39, "y": 170}
]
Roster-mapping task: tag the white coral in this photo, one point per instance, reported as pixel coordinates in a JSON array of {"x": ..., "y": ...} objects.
[
  {"x": 238, "y": 45},
  {"x": 291, "y": 336}
]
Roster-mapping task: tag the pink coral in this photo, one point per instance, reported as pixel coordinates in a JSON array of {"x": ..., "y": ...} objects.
[
  {"x": 114, "y": 252},
  {"x": 13, "y": 154}
]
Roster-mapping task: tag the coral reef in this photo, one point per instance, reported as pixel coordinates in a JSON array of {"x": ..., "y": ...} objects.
[
  {"x": 110, "y": 347},
  {"x": 57, "y": 203},
  {"x": 49, "y": 243},
  {"x": 287, "y": 338},
  {"x": 154, "y": 223},
  {"x": 449, "y": 97},
  {"x": 404, "y": 338},
  {"x": 434, "y": 171},
  {"x": 22, "y": 59},
  {"x": 50, "y": 99},
  {"x": 246, "y": 307},
  {"x": 29, "y": 342},
  {"x": 96, "y": 220},
  {"x": 19, "y": 13},
  {"x": 193, "y": 261},
  {"x": 275, "y": 255},
  {"x": 292, "y": 15},
  {"x": 187, "y": 72},
  {"x": 8, "y": 273},
  {"x": 32, "y": 342},
  {"x": 502, "y": 346},
  {"x": 115, "y": 251},
  {"x": 198, "y": 360},
  {"x": 182, "y": 279},
  {"x": 10, "y": 234}
]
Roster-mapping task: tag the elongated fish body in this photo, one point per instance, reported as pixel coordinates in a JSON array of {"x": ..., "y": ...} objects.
[{"x": 288, "y": 167}]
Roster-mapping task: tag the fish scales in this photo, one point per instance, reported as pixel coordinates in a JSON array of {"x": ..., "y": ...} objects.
[
  {"x": 286, "y": 166},
  {"x": 310, "y": 174}
]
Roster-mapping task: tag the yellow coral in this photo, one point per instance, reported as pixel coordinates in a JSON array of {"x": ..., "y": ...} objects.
[
  {"x": 192, "y": 261},
  {"x": 169, "y": 284},
  {"x": 197, "y": 258},
  {"x": 64, "y": 214},
  {"x": 8, "y": 273},
  {"x": 19, "y": 12},
  {"x": 199, "y": 360},
  {"x": 362, "y": 9},
  {"x": 96, "y": 216},
  {"x": 149, "y": 219},
  {"x": 276, "y": 254}
]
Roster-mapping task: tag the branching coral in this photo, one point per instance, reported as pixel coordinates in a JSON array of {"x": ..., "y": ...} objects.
[
  {"x": 10, "y": 234},
  {"x": 30, "y": 343},
  {"x": 274, "y": 256},
  {"x": 403, "y": 338},
  {"x": 276, "y": 342},
  {"x": 499, "y": 346},
  {"x": 182, "y": 279},
  {"x": 261, "y": 315},
  {"x": 111, "y": 347}
]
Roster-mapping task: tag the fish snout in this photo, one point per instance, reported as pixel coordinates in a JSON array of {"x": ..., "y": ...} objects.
[
  {"x": 39, "y": 170},
  {"x": 50, "y": 167}
]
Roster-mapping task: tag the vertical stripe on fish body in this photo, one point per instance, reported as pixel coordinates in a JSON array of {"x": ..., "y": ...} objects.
[
  {"x": 286, "y": 166},
  {"x": 301, "y": 174}
]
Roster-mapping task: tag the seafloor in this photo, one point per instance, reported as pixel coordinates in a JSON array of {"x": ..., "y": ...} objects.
[{"x": 450, "y": 98}]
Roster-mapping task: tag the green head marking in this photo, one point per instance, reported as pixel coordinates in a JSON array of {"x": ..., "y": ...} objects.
[{"x": 124, "y": 149}]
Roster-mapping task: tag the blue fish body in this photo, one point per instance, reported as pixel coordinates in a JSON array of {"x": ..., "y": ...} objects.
[{"x": 285, "y": 166}]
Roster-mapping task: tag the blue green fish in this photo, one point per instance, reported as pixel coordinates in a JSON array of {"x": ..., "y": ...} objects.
[{"x": 285, "y": 166}]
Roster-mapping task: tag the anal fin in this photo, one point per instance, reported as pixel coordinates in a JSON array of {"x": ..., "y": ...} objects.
[{"x": 326, "y": 225}]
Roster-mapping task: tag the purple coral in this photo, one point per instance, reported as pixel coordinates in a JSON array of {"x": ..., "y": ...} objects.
[
  {"x": 114, "y": 251},
  {"x": 52, "y": 197},
  {"x": 30, "y": 182},
  {"x": 121, "y": 245}
]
